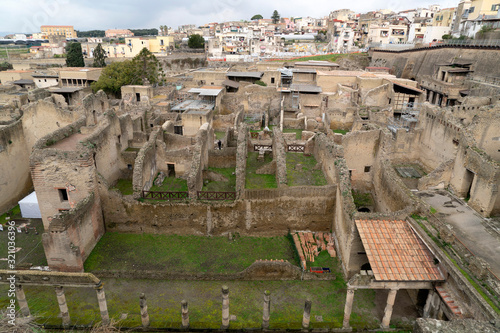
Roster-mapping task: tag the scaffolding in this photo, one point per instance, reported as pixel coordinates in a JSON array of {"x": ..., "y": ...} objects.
[{"x": 408, "y": 119}]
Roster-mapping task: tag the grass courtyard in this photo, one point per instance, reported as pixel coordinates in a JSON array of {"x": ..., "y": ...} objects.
[
  {"x": 30, "y": 247},
  {"x": 204, "y": 298},
  {"x": 171, "y": 184},
  {"x": 221, "y": 186},
  {"x": 255, "y": 181},
  {"x": 185, "y": 254},
  {"x": 307, "y": 176}
]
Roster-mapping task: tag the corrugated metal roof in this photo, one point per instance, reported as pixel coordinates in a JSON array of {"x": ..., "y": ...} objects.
[
  {"x": 408, "y": 87},
  {"x": 23, "y": 82},
  {"x": 205, "y": 92},
  {"x": 396, "y": 252},
  {"x": 231, "y": 83}
]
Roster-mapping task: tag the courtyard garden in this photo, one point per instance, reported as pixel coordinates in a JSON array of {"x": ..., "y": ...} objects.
[
  {"x": 221, "y": 180},
  {"x": 254, "y": 180},
  {"x": 307, "y": 174}
]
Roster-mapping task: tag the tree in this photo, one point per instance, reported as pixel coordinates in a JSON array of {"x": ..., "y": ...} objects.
[
  {"x": 5, "y": 66},
  {"x": 114, "y": 76},
  {"x": 74, "y": 55},
  {"x": 144, "y": 68},
  {"x": 99, "y": 56},
  {"x": 257, "y": 17},
  {"x": 196, "y": 41},
  {"x": 147, "y": 67},
  {"x": 275, "y": 17}
]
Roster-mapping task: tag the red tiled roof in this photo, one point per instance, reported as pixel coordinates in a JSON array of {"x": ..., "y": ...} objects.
[{"x": 396, "y": 252}]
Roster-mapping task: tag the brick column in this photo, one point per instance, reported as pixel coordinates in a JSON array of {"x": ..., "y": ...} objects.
[
  {"x": 103, "y": 306},
  {"x": 225, "y": 307},
  {"x": 144, "y": 310},
  {"x": 185, "y": 314},
  {"x": 63, "y": 306},
  {"x": 21, "y": 299},
  {"x": 348, "y": 308},
  {"x": 267, "y": 309},
  {"x": 306, "y": 318},
  {"x": 388, "y": 308}
]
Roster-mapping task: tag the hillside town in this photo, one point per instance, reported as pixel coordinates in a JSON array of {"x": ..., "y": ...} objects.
[{"x": 338, "y": 174}]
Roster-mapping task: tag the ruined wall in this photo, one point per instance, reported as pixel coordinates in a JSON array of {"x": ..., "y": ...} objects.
[
  {"x": 340, "y": 118},
  {"x": 485, "y": 129},
  {"x": 225, "y": 158},
  {"x": 44, "y": 117},
  {"x": 360, "y": 151},
  {"x": 72, "y": 235},
  {"x": 439, "y": 138},
  {"x": 145, "y": 166},
  {"x": 256, "y": 217},
  {"x": 252, "y": 99},
  {"x": 326, "y": 152},
  {"x": 109, "y": 145},
  {"x": 416, "y": 63},
  {"x": 279, "y": 156},
  {"x": 199, "y": 161},
  {"x": 15, "y": 179},
  {"x": 241, "y": 160}
]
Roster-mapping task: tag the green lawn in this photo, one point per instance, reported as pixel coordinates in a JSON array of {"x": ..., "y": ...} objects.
[
  {"x": 185, "y": 254},
  {"x": 30, "y": 244},
  {"x": 305, "y": 177},
  {"x": 171, "y": 184},
  {"x": 219, "y": 135},
  {"x": 255, "y": 181},
  {"x": 298, "y": 132},
  {"x": 221, "y": 186},
  {"x": 204, "y": 299},
  {"x": 340, "y": 131},
  {"x": 13, "y": 213},
  {"x": 124, "y": 186}
]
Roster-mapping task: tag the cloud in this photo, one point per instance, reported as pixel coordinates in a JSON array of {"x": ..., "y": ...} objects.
[{"x": 29, "y": 15}]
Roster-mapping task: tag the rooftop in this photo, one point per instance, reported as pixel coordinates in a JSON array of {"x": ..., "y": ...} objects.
[
  {"x": 396, "y": 252},
  {"x": 207, "y": 90},
  {"x": 256, "y": 75},
  {"x": 193, "y": 104}
]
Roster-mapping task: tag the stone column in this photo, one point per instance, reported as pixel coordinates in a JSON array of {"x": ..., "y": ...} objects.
[
  {"x": 21, "y": 299},
  {"x": 103, "y": 306},
  {"x": 63, "y": 306},
  {"x": 225, "y": 307},
  {"x": 388, "y": 308},
  {"x": 267, "y": 309},
  {"x": 429, "y": 304},
  {"x": 144, "y": 310},
  {"x": 348, "y": 308},
  {"x": 431, "y": 97},
  {"x": 185, "y": 314},
  {"x": 307, "y": 314}
]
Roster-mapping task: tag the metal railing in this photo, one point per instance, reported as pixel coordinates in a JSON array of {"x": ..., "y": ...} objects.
[
  {"x": 206, "y": 195},
  {"x": 165, "y": 195}
]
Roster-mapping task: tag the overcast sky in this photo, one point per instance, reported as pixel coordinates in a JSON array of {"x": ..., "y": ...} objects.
[{"x": 29, "y": 15}]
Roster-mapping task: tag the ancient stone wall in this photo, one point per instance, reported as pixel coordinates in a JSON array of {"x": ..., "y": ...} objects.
[
  {"x": 360, "y": 151},
  {"x": 15, "y": 180},
  {"x": 145, "y": 166},
  {"x": 72, "y": 235},
  {"x": 44, "y": 117},
  {"x": 241, "y": 159},
  {"x": 279, "y": 156},
  {"x": 416, "y": 63},
  {"x": 225, "y": 158},
  {"x": 256, "y": 217},
  {"x": 252, "y": 99},
  {"x": 199, "y": 161}
]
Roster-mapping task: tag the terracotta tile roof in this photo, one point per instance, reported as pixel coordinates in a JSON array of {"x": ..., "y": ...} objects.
[{"x": 396, "y": 252}]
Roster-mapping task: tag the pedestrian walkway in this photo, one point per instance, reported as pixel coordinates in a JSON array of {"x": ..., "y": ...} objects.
[{"x": 468, "y": 226}]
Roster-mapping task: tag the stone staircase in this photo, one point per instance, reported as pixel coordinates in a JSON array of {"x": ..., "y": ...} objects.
[{"x": 446, "y": 297}]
